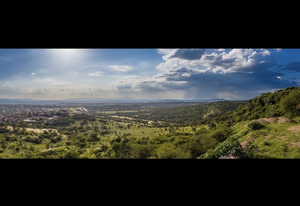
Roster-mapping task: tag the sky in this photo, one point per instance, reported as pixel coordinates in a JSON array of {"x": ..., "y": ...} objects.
[{"x": 173, "y": 73}]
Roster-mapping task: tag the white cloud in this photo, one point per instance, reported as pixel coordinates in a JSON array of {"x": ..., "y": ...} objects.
[
  {"x": 97, "y": 73},
  {"x": 121, "y": 68},
  {"x": 164, "y": 51},
  {"x": 265, "y": 52},
  {"x": 241, "y": 60},
  {"x": 237, "y": 60}
]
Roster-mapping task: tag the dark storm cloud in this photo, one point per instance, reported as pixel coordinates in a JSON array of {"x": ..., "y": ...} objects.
[
  {"x": 189, "y": 54},
  {"x": 175, "y": 74},
  {"x": 212, "y": 83},
  {"x": 294, "y": 66}
]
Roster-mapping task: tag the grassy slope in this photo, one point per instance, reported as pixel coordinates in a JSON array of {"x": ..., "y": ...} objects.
[{"x": 277, "y": 140}]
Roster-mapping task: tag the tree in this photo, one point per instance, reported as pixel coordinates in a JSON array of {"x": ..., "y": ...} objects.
[
  {"x": 116, "y": 147},
  {"x": 140, "y": 151},
  {"x": 200, "y": 144},
  {"x": 93, "y": 136},
  {"x": 71, "y": 154},
  {"x": 290, "y": 104}
]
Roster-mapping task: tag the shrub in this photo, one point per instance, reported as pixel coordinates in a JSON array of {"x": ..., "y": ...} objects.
[
  {"x": 200, "y": 144},
  {"x": 221, "y": 134},
  {"x": 139, "y": 151},
  {"x": 93, "y": 136},
  {"x": 169, "y": 151},
  {"x": 32, "y": 139},
  {"x": 229, "y": 147},
  {"x": 55, "y": 139},
  {"x": 255, "y": 126}
]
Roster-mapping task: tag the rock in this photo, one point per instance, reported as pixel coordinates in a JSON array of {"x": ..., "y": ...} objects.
[
  {"x": 273, "y": 120},
  {"x": 228, "y": 157}
]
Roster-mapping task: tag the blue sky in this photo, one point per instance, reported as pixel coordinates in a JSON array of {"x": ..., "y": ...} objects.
[{"x": 146, "y": 73}]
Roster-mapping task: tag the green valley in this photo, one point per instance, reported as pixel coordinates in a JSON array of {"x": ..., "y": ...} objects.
[{"x": 264, "y": 127}]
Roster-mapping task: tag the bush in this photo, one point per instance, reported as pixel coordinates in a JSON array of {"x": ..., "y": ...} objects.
[
  {"x": 55, "y": 139},
  {"x": 71, "y": 154},
  {"x": 169, "y": 151},
  {"x": 139, "y": 151},
  {"x": 229, "y": 147},
  {"x": 32, "y": 139},
  {"x": 200, "y": 144},
  {"x": 221, "y": 134},
  {"x": 255, "y": 126},
  {"x": 4, "y": 130}
]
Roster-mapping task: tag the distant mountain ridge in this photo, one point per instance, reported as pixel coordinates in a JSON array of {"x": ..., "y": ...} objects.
[{"x": 109, "y": 100}]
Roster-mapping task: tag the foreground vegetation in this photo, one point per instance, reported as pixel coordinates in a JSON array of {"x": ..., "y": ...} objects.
[{"x": 267, "y": 126}]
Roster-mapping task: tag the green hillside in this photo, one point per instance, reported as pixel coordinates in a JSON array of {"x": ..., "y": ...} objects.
[{"x": 266, "y": 127}]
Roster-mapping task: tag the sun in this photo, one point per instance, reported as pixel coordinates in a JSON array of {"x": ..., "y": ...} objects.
[
  {"x": 62, "y": 54},
  {"x": 65, "y": 51}
]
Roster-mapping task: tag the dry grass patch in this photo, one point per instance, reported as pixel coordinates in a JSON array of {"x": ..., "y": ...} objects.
[
  {"x": 247, "y": 142},
  {"x": 34, "y": 130},
  {"x": 295, "y": 129},
  {"x": 40, "y": 130}
]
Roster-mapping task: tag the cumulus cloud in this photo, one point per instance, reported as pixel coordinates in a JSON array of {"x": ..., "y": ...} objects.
[
  {"x": 189, "y": 54},
  {"x": 236, "y": 60},
  {"x": 239, "y": 72}
]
